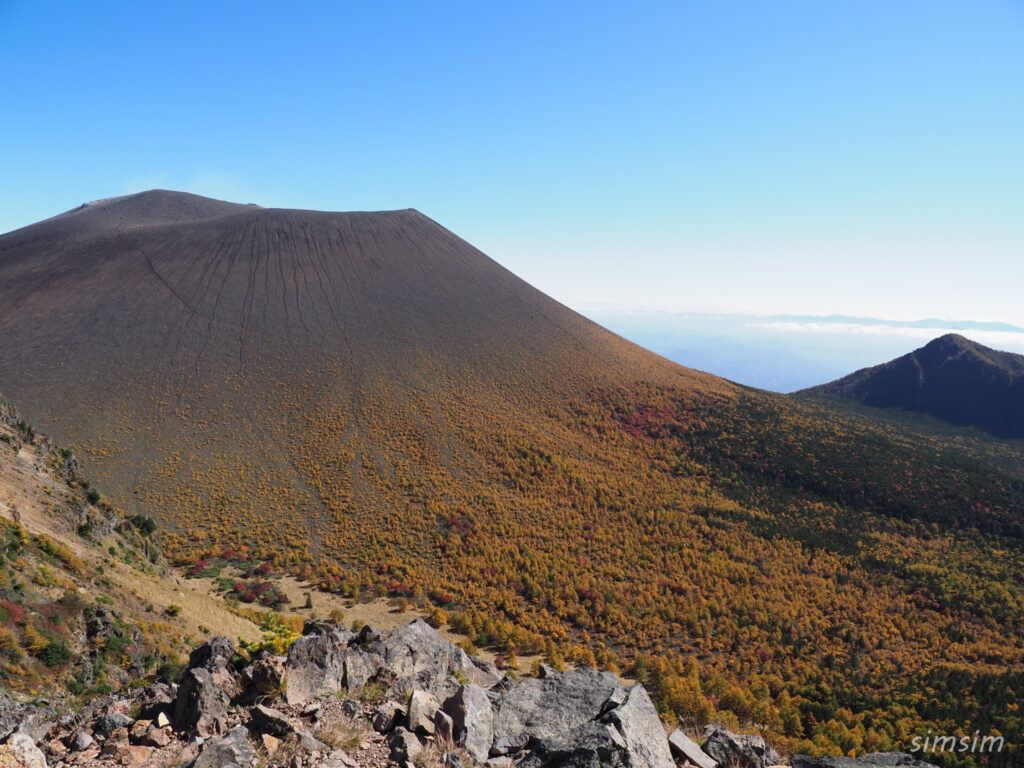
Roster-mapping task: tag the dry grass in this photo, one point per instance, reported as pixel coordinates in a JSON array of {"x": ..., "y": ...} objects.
[{"x": 342, "y": 733}]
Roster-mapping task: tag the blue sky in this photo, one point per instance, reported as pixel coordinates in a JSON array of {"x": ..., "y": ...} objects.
[{"x": 863, "y": 158}]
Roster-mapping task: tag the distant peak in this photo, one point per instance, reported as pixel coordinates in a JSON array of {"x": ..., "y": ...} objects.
[{"x": 951, "y": 340}]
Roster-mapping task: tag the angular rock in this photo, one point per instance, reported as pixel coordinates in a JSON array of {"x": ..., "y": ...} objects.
[
  {"x": 636, "y": 719},
  {"x": 310, "y": 743},
  {"x": 155, "y": 737},
  {"x": 744, "y": 751},
  {"x": 233, "y": 747},
  {"x": 12, "y": 714},
  {"x": 81, "y": 741},
  {"x": 351, "y": 709},
  {"x": 360, "y": 668},
  {"x": 616, "y": 698},
  {"x": 422, "y": 707},
  {"x": 162, "y": 721},
  {"x": 472, "y": 719},
  {"x": 139, "y": 727},
  {"x": 404, "y": 746},
  {"x": 21, "y": 751},
  {"x": 270, "y": 743},
  {"x": 509, "y": 745},
  {"x": 388, "y": 716},
  {"x": 202, "y": 703},
  {"x": 552, "y": 705},
  {"x": 215, "y": 653},
  {"x": 263, "y": 678},
  {"x": 443, "y": 727},
  {"x": 685, "y": 748},
  {"x": 627, "y": 736},
  {"x": 421, "y": 659},
  {"x": 105, "y": 725},
  {"x": 590, "y": 745},
  {"x": 367, "y": 635},
  {"x": 154, "y": 701},
  {"x": 316, "y": 663},
  {"x": 267, "y": 720}
]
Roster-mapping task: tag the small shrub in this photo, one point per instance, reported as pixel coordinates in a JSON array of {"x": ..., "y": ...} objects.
[{"x": 55, "y": 653}]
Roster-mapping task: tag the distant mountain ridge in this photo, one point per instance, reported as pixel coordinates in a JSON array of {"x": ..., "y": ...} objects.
[{"x": 951, "y": 378}]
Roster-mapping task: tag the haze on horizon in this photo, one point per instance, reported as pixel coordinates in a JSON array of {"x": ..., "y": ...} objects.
[{"x": 787, "y": 159}]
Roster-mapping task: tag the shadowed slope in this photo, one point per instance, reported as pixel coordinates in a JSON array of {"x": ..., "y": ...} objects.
[{"x": 952, "y": 378}]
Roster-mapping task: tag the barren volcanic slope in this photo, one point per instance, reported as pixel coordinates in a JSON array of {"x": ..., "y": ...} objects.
[
  {"x": 952, "y": 378},
  {"x": 368, "y": 395},
  {"x": 243, "y": 356}
]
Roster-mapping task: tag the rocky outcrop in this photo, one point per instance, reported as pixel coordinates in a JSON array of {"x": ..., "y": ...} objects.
[
  {"x": 420, "y": 659},
  {"x": 206, "y": 690},
  {"x": 553, "y": 704},
  {"x": 628, "y": 735},
  {"x": 316, "y": 662},
  {"x": 311, "y": 710}
]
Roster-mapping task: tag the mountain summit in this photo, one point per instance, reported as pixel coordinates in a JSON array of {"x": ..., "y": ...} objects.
[{"x": 952, "y": 378}]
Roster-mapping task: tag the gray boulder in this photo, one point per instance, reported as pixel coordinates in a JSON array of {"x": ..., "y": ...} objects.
[
  {"x": 12, "y": 714},
  {"x": 420, "y": 658},
  {"x": 268, "y": 720},
  {"x": 202, "y": 703},
  {"x": 80, "y": 741},
  {"x": 214, "y": 654},
  {"x": 388, "y": 716},
  {"x": 553, "y": 705},
  {"x": 743, "y": 751},
  {"x": 206, "y": 689},
  {"x": 21, "y": 751},
  {"x": 232, "y": 748},
  {"x": 422, "y": 708},
  {"x": 637, "y": 721},
  {"x": 589, "y": 745},
  {"x": 264, "y": 677},
  {"x": 404, "y": 746},
  {"x": 580, "y": 719},
  {"x": 360, "y": 668},
  {"x": 105, "y": 725},
  {"x": 472, "y": 720}
]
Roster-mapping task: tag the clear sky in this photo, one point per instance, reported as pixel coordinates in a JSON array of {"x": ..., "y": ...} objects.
[{"x": 854, "y": 157}]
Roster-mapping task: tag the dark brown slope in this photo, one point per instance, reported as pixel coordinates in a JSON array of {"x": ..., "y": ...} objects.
[
  {"x": 952, "y": 378},
  {"x": 197, "y": 351}
]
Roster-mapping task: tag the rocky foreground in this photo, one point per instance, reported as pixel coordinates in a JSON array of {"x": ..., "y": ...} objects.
[{"x": 345, "y": 700}]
